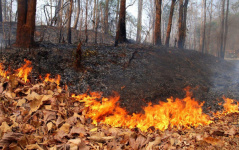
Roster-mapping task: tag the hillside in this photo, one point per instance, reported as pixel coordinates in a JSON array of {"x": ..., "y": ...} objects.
[{"x": 140, "y": 74}]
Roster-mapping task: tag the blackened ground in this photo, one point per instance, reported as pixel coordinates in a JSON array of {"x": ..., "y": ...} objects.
[{"x": 139, "y": 73}]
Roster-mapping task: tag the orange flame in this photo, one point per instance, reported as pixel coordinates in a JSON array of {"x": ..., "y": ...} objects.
[
  {"x": 230, "y": 106},
  {"x": 178, "y": 113},
  {"x": 3, "y": 73},
  {"x": 24, "y": 71},
  {"x": 56, "y": 80}
]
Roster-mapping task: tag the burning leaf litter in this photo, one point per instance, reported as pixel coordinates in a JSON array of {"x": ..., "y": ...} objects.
[{"x": 45, "y": 116}]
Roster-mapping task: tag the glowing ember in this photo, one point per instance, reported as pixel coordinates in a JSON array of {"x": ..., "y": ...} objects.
[
  {"x": 24, "y": 71},
  {"x": 57, "y": 79}
]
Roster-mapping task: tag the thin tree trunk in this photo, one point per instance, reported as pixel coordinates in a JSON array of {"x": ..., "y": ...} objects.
[
  {"x": 69, "y": 23},
  {"x": 121, "y": 29},
  {"x": 185, "y": 9},
  {"x": 94, "y": 15},
  {"x": 77, "y": 15},
  {"x": 157, "y": 32},
  {"x": 209, "y": 29},
  {"x": 60, "y": 5},
  {"x": 0, "y": 10},
  {"x": 180, "y": 25},
  {"x": 26, "y": 23},
  {"x": 139, "y": 22},
  {"x": 203, "y": 27},
  {"x": 221, "y": 53},
  {"x": 117, "y": 14},
  {"x": 226, "y": 29},
  {"x": 96, "y": 20},
  {"x": 5, "y": 10},
  {"x": 106, "y": 27},
  {"x": 170, "y": 23},
  {"x": 86, "y": 15}
]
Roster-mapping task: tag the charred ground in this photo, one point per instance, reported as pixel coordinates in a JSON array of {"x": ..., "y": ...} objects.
[{"x": 139, "y": 73}]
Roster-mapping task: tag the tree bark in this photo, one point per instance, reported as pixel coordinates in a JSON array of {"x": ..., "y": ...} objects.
[
  {"x": 209, "y": 29},
  {"x": 106, "y": 17},
  {"x": 180, "y": 25},
  {"x": 185, "y": 9},
  {"x": 26, "y": 23},
  {"x": 226, "y": 29},
  {"x": 157, "y": 31},
  {"x": 96, "y": 19},
  {"x": 121, "y": 29},
  {"x": 139, "y": 22},
  {"x": 221, "y": 52},
  {"x": 86, "y": 15},
  {"x": 0, "y": 10},
  {"x": 170, "y": 23},
  {"x": 77, "y": 15},
  {"x": 117, "y": 14},
  {"x": 203, "y": 28},
  {"x": 69, "y": 23}
]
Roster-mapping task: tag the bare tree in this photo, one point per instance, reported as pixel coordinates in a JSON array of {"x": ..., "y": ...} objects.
[
  {"x": 69, "y": 22},
  {"x": 96, "y": 19},
  {"x": 106, "y": 24},
  {"x": 77, "y": 15},
  {"x": 86, "y": 23},
  {"x": 170, "y": 23},
  {"x": 121, "y": 29},
  {"x": 226, "y": 28},
  {"x": 139, "y": 22},
  {"x": 26, "y": 23},
  {"x": 0, "y": 10},
  {"x": 180, "y": 25},
  {"x": 203, "y": 27},
  {"x": 209, "y": 28},
  {"x": 221, "y": 51},
  {"x": 157, "y": 31}
]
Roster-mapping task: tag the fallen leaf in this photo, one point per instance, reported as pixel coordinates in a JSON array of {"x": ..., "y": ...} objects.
[
  {"x": 34, "y": 146},
  {"x": 101, "y": 139},
  {"x": 5, "y": 127},
  {"x": 152, "y": 144}
]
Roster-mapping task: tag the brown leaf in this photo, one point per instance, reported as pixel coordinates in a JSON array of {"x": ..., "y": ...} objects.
[
  {"x": 101, "y": 139},
  {"x": 232, "y": 131},
  {"x": 213, "y": 141},
  {"x": 49, "y": 115},
  {"x": 10, "y": 137},
  {"x": 152, "y": 144},
  {"x": 78, "y": 130},
  {"x": 34, "y": 146},
  {"x": 5, "y": 127}
]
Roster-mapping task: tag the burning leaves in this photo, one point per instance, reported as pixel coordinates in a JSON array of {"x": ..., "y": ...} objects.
[{"x": 44, "y": 116}]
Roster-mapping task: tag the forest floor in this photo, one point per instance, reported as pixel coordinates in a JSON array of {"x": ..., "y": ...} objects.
[{"x": 138, "y": 73}]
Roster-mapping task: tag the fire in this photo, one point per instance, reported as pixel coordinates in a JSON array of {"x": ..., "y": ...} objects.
[
  {"x": 3, "y": 73},
  {"x": 175, "y": 113},
  {"x": 57, "y": 79},
  {"x": 24, "y": 71},
  {"x": 180, "y": 113}
]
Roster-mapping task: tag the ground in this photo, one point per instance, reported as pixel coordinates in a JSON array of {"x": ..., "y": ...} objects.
[{"x": 138, "y": 73}]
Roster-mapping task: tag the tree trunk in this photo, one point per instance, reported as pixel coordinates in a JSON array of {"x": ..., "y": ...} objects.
[
  {"x": 203, "y": 28},
  {"x": 69, "y": 23},
  {"x": 157, "y": 31},
  {"x": 77, "y": 15},
  {"x": 96, "y": 20},
  {"x": 221, "y": 52},
  {"x": 60, "y": 5},
  {"x": 5, "y": 10},
  {"x": 180, "y": 25},
  {"x": 106, "y": 17},
  {"x": 139, "y": 22},
  {"x": 121, "y": 29},
  {"x": 94, "y": 15},
  {"x": 86, "y": 15},
  {"x": 185, "y": 9},
  {"x": 209, "y": 29},
  {"x": 0, "y": 10},
  {"x": 26, "y": 23},
  {"x": 226, "y": 29},
  {"x": 170, "y": 23},
  {"x": 117, "y": 14}
]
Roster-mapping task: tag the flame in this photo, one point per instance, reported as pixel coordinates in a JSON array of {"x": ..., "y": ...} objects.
[
  {"x": 57, "y": 79},
  {"x": 180, "y": 113},
  {"x": 230, "y": 106},
  {"x": 24, "y": 71},
  {"x": 3, "y": 73}
]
